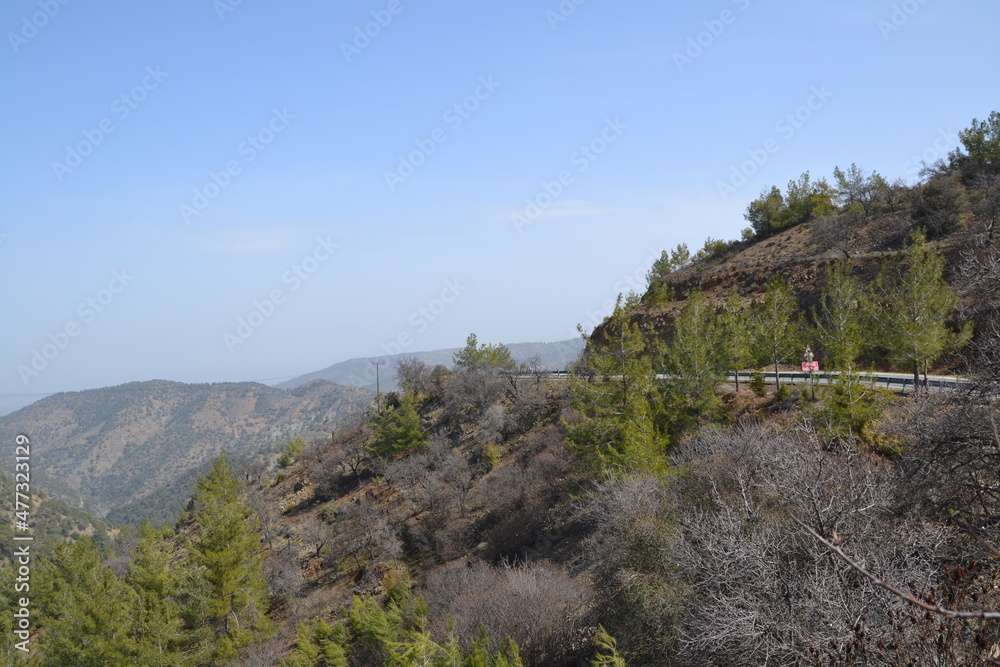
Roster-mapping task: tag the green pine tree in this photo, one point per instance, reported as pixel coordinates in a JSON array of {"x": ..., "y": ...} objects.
[
  {"x": 228, "y": 592},
  {"x": 477, "y": 357},
  {"x": 157, "y": 610},
  {"x": 735, "y": 335},
  {"x": 397, "y": 427},
  {"x": 775, "y": 330},
  {"x": 613, "y": 390},
  {"x": 912, "y": 306},
  {"x": 89, "y": 617},
  {"x": 840, "y": 317},
  {"x": 696, "y": 357}
]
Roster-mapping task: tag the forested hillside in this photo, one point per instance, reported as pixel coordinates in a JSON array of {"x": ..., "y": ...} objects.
[{"x": 642, "y": 511}]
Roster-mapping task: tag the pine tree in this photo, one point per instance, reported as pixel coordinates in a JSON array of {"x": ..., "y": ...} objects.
[
  {"x": 88, "y": 614},
  {"x": 397, "y": 428},
  {"x": 696, "y": 357},
  {"x": 157, "y": 609},
  {"x": 912, "y": 305},
  {"x": 228, "y": 591},
  {"x": 775, "y": 331},
  {"x": 840, "y": 317},
  {"x": 736, "y": 334},
  {"x": 607, "y": 650},
  {"x": 477, "y": 357},
  {"x": 612, "y": 389}
]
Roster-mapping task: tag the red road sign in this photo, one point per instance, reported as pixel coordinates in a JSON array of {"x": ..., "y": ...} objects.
[{"x": 810, "y": 366}]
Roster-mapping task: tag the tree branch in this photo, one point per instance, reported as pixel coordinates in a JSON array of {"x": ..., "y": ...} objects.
[{"x": 906, "y": 597}]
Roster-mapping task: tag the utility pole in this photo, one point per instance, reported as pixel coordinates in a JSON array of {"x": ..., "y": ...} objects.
[{"x": 378, "y": 392}]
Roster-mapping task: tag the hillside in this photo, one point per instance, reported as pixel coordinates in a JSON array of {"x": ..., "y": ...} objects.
[
  {"x": 958, "y": 224},
  {"x": 131, "y": 451},
  {"x": 639, "y": 510},
  {"x": 361, "y": 372}
]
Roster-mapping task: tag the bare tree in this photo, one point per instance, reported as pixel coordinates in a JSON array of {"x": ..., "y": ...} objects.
[
  {"x": 317, "y": 534},
  {"x": 283, "y": 574},
  {"x": 263, "y": 505},
  {"x": 414, "y": 375},
  {"x": 538, "y": 605},
  {"x": 838, "y": 232},
  {"x": 364, "y": 530}
]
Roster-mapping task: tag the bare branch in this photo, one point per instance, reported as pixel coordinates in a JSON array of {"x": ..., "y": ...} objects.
[{"x": 907, "y": 597}]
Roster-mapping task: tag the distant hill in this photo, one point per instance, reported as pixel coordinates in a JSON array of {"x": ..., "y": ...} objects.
[
  {"x": 131, "y": 451},
  {"x": 361, "y": 372}
]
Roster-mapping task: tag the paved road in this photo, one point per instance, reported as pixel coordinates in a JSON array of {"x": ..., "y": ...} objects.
[
  {"x": 889, "y": 380},
  {"x": 896, "y": 381}
]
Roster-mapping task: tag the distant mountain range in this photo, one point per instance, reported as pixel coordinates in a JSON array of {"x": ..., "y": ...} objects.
[
  {"x": 133, "y": 450},
  {"x": 361, "y": 372}
]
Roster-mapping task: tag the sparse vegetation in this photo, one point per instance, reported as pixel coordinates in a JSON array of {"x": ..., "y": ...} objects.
[{"x": 642, "y": 511}]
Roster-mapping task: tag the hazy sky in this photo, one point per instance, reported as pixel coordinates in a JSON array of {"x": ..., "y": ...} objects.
[{"x": 238, "y": 190}]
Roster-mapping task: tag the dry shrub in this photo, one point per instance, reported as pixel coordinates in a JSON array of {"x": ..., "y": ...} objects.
[
  {"x": 519, "y": 496},
  {"x": 712, "y": 570},
  {"x": 538, "y": 605},
  {"x": 283, "y": 574}
]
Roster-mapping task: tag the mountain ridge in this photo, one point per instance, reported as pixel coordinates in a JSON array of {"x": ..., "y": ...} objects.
[
  {"x": 360, "y": 372},
  {"x": 121, "y": 447}
]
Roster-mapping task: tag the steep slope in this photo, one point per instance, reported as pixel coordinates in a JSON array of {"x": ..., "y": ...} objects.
[
  {"x": 801, "y": 255},
  {"x": 130, "y": 449}
]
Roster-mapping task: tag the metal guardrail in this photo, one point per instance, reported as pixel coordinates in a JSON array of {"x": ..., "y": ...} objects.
[{"x": 890, "y": 381}]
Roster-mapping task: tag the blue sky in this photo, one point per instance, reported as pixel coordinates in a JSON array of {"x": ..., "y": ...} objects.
[{"x": 216, "y": 191}]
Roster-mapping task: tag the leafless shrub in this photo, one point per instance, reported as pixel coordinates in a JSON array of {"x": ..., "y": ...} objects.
[
  {"x": 435, "y": 480},
  {"x": 839, "y": 232},
  {"x": 365, "y": 532},
  {"x": 730, "y": 578},
  {"x": 886, "y": 231},
  {"x": 952, "y": 466},
  {"x": 977, "y": 277},
  {"x": 269, "y": 515},
  {"x": 939, "y": 204},
  {"x": 435, "y": 483},
  {"x": 316, "y": 534},
  {"x": 469, "y": 393},
  {"x": 251, "y": 470},
  {"x": 986, "y": 203},
  {"x": 762, "y": 592},
  {"x": 414, "y": 375},
  {"x": 519, "y": 496},
  {"x": 283, "y": 574},
  {"x": 493, "y": 423},
  {"x": 264, "y": 654},
  {"x": 538, "y": 605}
]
